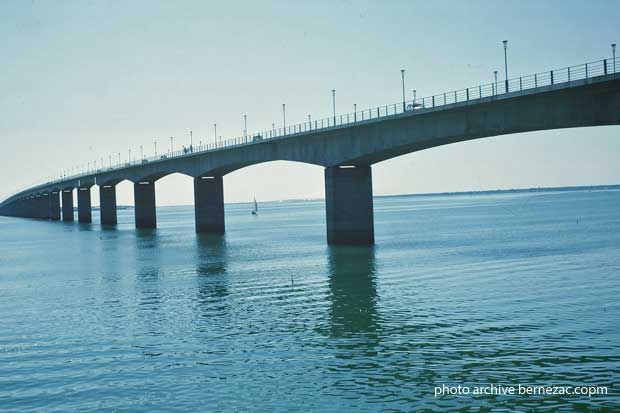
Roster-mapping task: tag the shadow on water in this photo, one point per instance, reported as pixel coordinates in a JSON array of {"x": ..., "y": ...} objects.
[
  {"x": 212, "y": 281},
  {"x": 353, "y": 294}
]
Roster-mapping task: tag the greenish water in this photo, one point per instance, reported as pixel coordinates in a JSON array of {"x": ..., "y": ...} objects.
[{"x": 504, "y": 289}]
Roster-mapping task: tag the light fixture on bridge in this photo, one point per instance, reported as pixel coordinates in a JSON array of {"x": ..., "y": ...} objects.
[
  {"x": 334, "y": 104},
  {"x": 207, "y": 177},
  {"x": 613, "y": 52},
  {"x": 144, "y": 183},
  {"x": 505, "y": 42},
  {"x": 402, "y": 75},
  {"x": 347, "y": 166}
]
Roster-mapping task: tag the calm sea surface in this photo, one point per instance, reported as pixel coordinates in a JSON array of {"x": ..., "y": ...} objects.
[{"x": 508, "y": 289}]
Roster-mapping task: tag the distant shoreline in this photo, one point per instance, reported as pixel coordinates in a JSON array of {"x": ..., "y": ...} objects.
[{"x": 458, "y": 193}]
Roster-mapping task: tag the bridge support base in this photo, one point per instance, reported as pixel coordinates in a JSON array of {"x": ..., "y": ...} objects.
[
  {"x": 144, "y": 200},
  {"x": 67, "y": 205},
  {"x": 43, "y": 206},
  {"x": 54, "y": 206},
  {"x": 84, "y": 209},
  {"x": 209, "y": 204},
  {"x": 107, "y": 204},
  {"x": 348, "y": 202}
]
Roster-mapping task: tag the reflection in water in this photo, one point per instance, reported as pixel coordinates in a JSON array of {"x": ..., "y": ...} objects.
[
  {"x": 353, "y": 291},
  {"x": 150, "y": 302},
  {"x": 211, "y": 256}
]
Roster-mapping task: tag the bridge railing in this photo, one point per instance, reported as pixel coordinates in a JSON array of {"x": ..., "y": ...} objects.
[{"x": 419, "y": 105}]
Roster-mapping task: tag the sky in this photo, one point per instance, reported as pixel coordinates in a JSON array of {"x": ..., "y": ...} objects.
[{"x": 86, "y": 80}]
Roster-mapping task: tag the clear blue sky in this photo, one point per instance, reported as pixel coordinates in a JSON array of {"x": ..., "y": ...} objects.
[{"x": 85, "y": 79}]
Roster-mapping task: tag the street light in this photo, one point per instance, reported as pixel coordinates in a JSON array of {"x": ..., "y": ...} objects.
[
  {"x": 284, "y": 116},
  {"x": 155, "y": 143},
  {"x": 355, "y": 112},
  {"x": 334, "y": 104},
  {"x": 506, "y": 62},
  {"x": 613, "y": 51},
  {"x": 495, "y": 74},
  {"x": 215, "y": 132},
  {"x": 402, "y": 75},
  {"x": 171, "y": 145},
  {"x": 245, "y": 126},
  {"x": 309, "y": 122},
  {"x": 141, "y": 153},
  {"x": 414, "y": 93},
  {"x": 191, "y": 141}
]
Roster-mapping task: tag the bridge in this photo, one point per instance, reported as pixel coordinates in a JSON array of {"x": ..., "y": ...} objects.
[{"x": 345, "y": 145}]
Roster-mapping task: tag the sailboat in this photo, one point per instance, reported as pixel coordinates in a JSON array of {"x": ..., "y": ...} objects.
[{"x": 255, "y": 212}]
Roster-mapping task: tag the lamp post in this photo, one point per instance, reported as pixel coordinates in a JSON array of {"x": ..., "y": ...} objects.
[
  {"x": 141, "y": 153},
  {"x": 171, "y": 145},
  {"x": 495, "y": 74},
  {"x": 155, "y": 144},
  {"x": 119, "y": 159},
  {"x": 355, "y": 112},
  {"x": 284, "y": 116},
  {"x": 506, "y": 62},
  {"x": 613, "y": 52},
  {"x": 402, "y": 75},
  {"x": 191, "y": 142},
  {"x": 334, "y": 104},
  {"x": 309, "y": 122},
  {"x": 215, "y": 132},
  {"x": 414, "y": 93},
  {"x": 245, "y": 126}
]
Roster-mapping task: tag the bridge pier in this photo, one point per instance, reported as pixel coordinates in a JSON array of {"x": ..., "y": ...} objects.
[
  {"x": 107, "y": 204},
  {"x": 84, "y": 209},
  {"x": 348, "y": 203},
  {"x": 67, "y": 205},
  {"x": 54, "y": 206},
  {"x": 209, "y": 204},
  {"x": 44, "y": 206},
  {"x": 144, "y": 200},
  {"x": 29, "y": 207}
]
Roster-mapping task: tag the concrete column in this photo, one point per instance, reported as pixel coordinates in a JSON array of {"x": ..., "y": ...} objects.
[
  {"x": 348, "y": 201},
  {"x": 43, "y": 206},
  {"x": 29, "y": 207},
  {"x": 144, "y": 200},
  {"x": 84, "y": 209},
  {"x": 107, "y": 200},
  {"x": 209, "y": 204},
  {"x": 54, "y": 206},
  {"x": 67, "y": 205}
]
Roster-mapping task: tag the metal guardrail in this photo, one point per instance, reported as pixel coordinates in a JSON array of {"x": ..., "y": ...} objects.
[{"x": 421, "y": 105}]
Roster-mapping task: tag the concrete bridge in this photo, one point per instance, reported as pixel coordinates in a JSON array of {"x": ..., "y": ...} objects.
[{"x": 578, "y": 96}]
